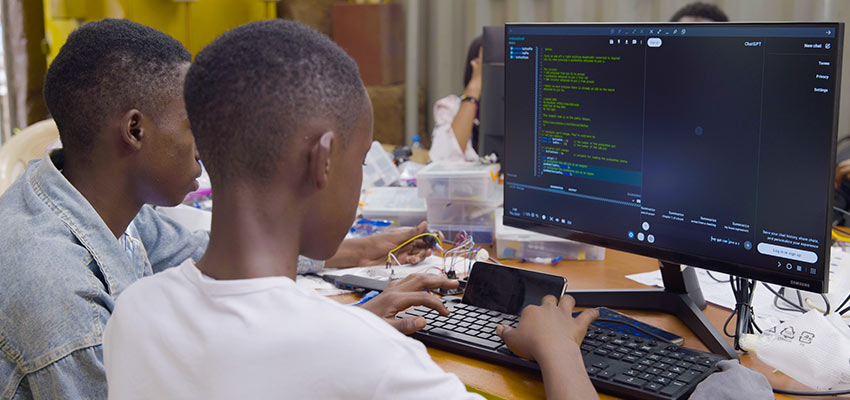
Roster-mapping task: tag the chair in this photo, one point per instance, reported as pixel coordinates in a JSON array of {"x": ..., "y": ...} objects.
[{"x": 28, "y": 144}]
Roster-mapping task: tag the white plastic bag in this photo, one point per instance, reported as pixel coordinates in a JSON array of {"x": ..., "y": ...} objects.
[{"x": 811, "y": 348}]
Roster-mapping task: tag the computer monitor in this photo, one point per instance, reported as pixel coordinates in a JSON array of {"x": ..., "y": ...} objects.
[
  {"x": 491, "y": 138},
  {"x": 710, "y": 145}
]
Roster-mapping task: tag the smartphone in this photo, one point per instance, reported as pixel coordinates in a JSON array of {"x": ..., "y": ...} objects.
[
  {"x": 617, "y": 322},
  {"x": 508, "y": 289}
]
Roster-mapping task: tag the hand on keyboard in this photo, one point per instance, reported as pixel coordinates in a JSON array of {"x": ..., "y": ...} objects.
[
  {"x": 408, "y": 292},
  {"x": 546, "y": 327},
  {"x": 549, "y": 334}
]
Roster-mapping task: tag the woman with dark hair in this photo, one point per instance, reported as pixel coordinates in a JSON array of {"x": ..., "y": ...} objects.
[{"x": 455, "y": 135}]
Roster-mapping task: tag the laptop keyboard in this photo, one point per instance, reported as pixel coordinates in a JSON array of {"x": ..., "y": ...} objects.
[{"x": 618, "y": 364}]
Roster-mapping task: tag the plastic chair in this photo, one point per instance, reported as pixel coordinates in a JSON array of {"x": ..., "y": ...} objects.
[{"x": 28, "y": 144}]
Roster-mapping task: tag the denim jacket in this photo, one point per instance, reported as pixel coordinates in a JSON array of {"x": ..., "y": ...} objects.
[{"x": 61, "y": 269}]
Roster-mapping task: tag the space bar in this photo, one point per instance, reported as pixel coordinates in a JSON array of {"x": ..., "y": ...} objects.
[{"x": 464, "y": 338}]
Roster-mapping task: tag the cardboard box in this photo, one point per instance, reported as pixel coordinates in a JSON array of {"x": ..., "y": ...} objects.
[{"x": 373, "y": 34}]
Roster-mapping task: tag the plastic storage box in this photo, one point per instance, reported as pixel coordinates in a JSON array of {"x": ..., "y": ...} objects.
[
  {"x": 522, "y": 244},
  {"x": 398, "y": 204},
  {"x": 462, "y": 212},
  {"x": 482, "y": 234},
  {"x": 378, "y": 170},
  {"x": 458, "y": 181}
]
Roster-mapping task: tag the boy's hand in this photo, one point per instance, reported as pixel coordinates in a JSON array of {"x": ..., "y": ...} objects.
[
  {"x": 372, "y": 250},
  {"x": 408, "y": 292},
  {"x": 547, "y": 327}
]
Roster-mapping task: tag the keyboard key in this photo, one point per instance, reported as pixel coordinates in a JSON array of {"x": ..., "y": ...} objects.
[
  {"x": 662, "y": 353},
  {"x": 465, "y": 338},
  {"x": 493, "y": 313},
  {"x": 585, "y": 347},
  {"x": 631, "y": 372},
  {"x": 654, "y": 357},
  {"x": 673, "y": 388},
  {"x": 646, "y": 376},
  {"x": 619, "y": 342},
  {"x": 629, "y": 380},
  {"x": 599, "y": 364},
  {"x": 652, "y": 386},
  {"x": 632, "y": 345},
  {"x": 646, "y": 348},
  {"x": 692, "y": 359},
  {"x": 605, "y": 374},
  {"x": 638, "y": 353},
  {"x": 655, "y": 371},
  {"x": 460, "y": 329},
  {"x": 609, "y": 347},
  {"x": 689, "y": 376},
  {"x": 592, "y": 343},
  {"x": 484, "y": 334},
  {"x": 705, "y": 362},
  {"x": 602, "y": 352},
  {"x": 677, "y": 370},
  {"x": 684, "y": 364},
  {"x": 669, "y": 360},
  {"x": 592, "y": 370},
  {"x": 450, "y": 326},
  {"x": 476, "y": 327},
  {"x": 437, "y": 323},
  {"x": 662, "y": 380},
  {"x": 631, "y": 359},
  {"x": 640, "y": 367},
  {"x": 662, "y": 365},
  {"x": 616, "y": 355},
  {"x": 624, "y": 350},
  {"x": 648, "y": 363},
  {"x": 699, "y": 368},
  {"x": 670, "y": 375}
]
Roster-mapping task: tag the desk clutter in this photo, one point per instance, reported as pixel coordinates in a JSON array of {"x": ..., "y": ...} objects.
[{"x": 458, "y": 199}]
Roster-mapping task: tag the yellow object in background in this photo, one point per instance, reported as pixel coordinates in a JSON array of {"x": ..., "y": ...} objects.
[{"x": 195, "y": 23}]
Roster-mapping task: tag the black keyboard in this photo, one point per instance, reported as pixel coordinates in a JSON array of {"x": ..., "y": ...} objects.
[{"x": 618, "y": 364}]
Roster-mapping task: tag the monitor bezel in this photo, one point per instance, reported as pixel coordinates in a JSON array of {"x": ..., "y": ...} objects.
[{"x": 696, "y": 260}]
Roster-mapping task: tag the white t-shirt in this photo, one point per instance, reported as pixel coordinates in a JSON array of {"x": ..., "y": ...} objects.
[
  {"x": 179, "y": 334},
  {"x": 444, "y": 145}
]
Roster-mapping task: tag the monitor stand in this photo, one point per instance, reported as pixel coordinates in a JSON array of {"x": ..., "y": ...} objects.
[{"x": 681, "y": 296}]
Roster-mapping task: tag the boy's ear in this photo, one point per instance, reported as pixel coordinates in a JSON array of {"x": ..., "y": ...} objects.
[
  {"x": 132, "y": 132},
  {"x": 320, "y": 160}
]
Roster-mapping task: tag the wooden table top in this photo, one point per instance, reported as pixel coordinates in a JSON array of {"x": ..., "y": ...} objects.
[{"x": 605, "y": 274}]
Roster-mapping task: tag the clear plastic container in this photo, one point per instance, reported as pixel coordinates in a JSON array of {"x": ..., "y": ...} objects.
[
  {"x": 482, "y": 234},
  {"x": 379, "y": 169},
  {"x": 513, "y": 243},
  {"x": 458, "y": 181},
  {"x": 462, "y": 212},
  {"x": 398, "y": 204}
]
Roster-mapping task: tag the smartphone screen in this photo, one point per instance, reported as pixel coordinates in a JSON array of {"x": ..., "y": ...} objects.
[{"x": 508, "y": 289}]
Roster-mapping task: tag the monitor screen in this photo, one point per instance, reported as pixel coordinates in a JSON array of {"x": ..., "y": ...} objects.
[
  {"x": 710, "y": 145},
  {"x": 492, "y": 107}
]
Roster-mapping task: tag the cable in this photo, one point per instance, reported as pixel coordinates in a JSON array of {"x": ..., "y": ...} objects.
[
  {"x": 827, "y": 393},
  {"x": 390, "y": 255},
  {"x": 798, "y": 307},
  {"x": 717, "y": 279},
  {"x": 635, "y": 327}
]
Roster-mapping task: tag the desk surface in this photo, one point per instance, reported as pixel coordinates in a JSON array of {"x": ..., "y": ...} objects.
[{"x": 606, "y": 274}]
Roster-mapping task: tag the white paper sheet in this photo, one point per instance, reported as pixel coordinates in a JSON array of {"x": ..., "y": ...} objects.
[{"x": 721, "y": 293}]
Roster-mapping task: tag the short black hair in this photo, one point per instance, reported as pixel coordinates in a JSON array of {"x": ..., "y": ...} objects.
[
  {"x": 257, "y": 84},
  {"x": 701, "y": 10},
  {"x": 107, "y": 67}
]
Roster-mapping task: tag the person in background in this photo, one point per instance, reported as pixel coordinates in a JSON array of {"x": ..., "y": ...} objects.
[
  {"x": 455, "y": 135},
  {"x": 700, "y": 12}
]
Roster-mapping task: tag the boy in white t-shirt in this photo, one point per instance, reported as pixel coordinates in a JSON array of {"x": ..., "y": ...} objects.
[{"x": 283, "y": 123}]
